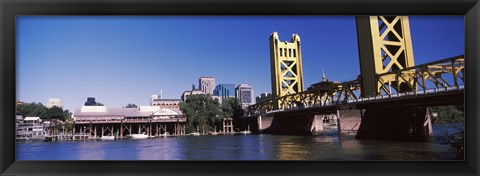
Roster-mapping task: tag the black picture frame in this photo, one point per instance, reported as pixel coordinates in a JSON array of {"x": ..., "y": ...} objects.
[{"x": 9, "y": 9}]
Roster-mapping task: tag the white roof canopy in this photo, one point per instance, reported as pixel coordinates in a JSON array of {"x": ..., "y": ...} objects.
[
  {"x": 165, "y": 112},
  {"x": 31, "y": 118}
]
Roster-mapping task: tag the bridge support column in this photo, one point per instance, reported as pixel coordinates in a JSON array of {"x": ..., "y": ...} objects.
[
  {"x": 399, "y": 123},
  {"x": 293, "y": 124},
  {"x": 264, "y": 122},
  {"x": 349, "y": 121},
  {"x": 317, "y": 124}
]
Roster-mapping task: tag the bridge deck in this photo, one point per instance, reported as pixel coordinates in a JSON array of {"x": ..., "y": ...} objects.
[{"x": 428, "y": 98}]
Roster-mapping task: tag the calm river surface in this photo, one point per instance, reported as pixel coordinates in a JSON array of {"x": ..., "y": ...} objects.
[{"x": 328, "y": 146}]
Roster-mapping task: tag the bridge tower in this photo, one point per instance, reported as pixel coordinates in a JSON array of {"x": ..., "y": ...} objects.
[
  {"x": 286, "y": 67},
  {"x": 384, "y": 45}
]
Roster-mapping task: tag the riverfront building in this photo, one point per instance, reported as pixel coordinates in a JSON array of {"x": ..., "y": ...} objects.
[
  {"x": 54, "y": 102},
  {"x": 30, "y": 128},
  {"x": 244, "y": 92},
  {"x": 98, "y": 121},
  {"x": 167, "y": 103},
  {"x": 207, "y": 84}
]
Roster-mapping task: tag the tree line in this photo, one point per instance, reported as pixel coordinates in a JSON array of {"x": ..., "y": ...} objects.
[
  {"x": 40, "y": 110},
  {"x": 448, "y": 114},
  {"x": 205, "y": 114}
]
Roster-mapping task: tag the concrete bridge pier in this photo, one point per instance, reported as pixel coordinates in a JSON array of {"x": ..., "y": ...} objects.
[
  {"x": 317, "y": 124},
  {"x": 349, "y": 121},
  {"x": 398, "y": 123},
  {"x": 303, "y": 124},
  {"x": 264, "y": 122},
  {"x": 257, "y": 124}
]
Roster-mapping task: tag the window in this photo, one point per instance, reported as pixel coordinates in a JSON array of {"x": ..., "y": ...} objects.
[
  {"x": 294, "y": 53},
  {"x": 246, "y": 96},
  {"x": 289, "y": 52},
  {"x": 281, "y": 51}
]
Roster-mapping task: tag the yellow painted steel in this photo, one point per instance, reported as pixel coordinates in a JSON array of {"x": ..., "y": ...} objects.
[
  {"x": 385, "y": 45},
  {"x": 286, "y": 67},
  {"x": 428, "y": 77},
  {"x": 386, "y": 63}
]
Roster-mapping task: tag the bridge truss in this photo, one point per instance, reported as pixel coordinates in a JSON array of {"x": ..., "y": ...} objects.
[{"x": 429, "y": 78}]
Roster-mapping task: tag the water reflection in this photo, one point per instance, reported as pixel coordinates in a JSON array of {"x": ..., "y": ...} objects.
[
  {"x": 87, "y": 151},
  {"x": 228, "y": 147},
  {"x": 288, "y": 150},
  {"x": 325, "y": 147},
  {"x": 160, "y": 149}
]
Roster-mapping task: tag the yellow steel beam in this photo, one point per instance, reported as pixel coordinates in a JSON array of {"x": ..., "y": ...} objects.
[
  {"x": 286, "y": 68},
  {"x": 385, "y": 45}
]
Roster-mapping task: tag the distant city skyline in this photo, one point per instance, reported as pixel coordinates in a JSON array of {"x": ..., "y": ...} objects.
[{"x": 126, "y": 59}]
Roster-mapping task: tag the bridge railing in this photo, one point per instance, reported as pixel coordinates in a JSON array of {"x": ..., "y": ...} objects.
[
  {"x": 442, "y": 73},
  {"x": 434, "y": 77},
  {"x": 412, "y": 93},
  {"x": 363, "y": 100}
]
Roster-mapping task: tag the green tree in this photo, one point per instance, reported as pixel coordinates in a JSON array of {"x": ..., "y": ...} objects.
[
  {"x": 228, "y": 107},
  {"x": 456, "y": 141},
  {"x": 232, "y": 108},
  {"x": 55, "y": 113},
  {"x": 202, "y": 112},
  {"x": 39, "y": 110},
  {"x": 67, "y": 114},
  {"x": 131, "y": 105},
  {"x": 69, "y": 124},
  {"x": 32, "y": 110},
  {"x": 448, "y": 114}
]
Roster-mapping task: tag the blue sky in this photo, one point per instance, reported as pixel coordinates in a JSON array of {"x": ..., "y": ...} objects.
[{"x": 125, "y": 59}]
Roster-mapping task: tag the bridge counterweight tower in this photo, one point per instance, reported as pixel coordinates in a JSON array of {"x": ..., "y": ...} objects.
[
  {"x": 385, "y": 45},
  {"x": 286, "y": 68}
]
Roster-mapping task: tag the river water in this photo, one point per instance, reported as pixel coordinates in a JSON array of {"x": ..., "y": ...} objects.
[{"x": 325, "y": 146}]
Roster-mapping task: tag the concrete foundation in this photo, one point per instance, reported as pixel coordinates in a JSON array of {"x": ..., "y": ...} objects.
[
  {"x": 398, "y": 123},
  {"x": 349, "y": 121},
  {"x": 293, "y": 124},
  {"x": 264, "y": 122},
  {"x": 411, "y": 124},
  {"x": 317, "y": 124}
]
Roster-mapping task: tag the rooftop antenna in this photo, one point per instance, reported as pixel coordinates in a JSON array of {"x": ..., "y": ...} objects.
[{"x": 161, "y": 94}]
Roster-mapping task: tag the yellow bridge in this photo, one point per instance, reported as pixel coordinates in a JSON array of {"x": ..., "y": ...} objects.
[
  {"x": 388, "y": 100},
  {"x": 432, "y": 78}
]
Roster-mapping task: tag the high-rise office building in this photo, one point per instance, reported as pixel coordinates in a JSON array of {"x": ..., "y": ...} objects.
[
  {"x": 244, "y": 93},
  {"x": 224, "y": 91},
  {"x": 207, "y": 84}
]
